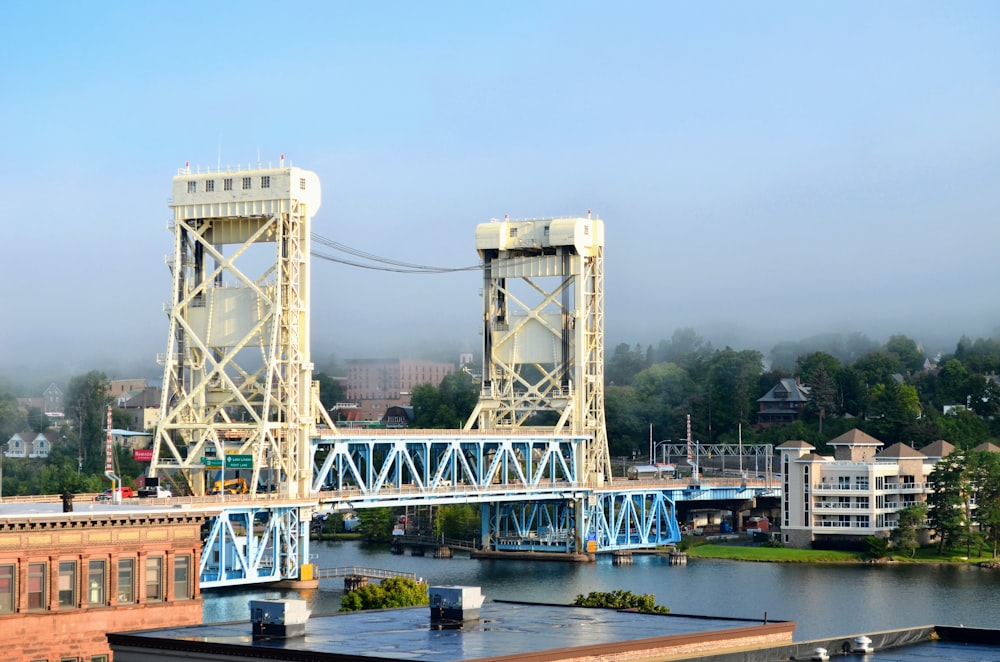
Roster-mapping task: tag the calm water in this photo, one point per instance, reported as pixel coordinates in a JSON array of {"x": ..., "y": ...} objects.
[{"x": 824, "y": 600}]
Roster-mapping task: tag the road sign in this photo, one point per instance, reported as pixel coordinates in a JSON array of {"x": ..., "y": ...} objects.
[
  {"x": 212, "y": 461},
  {"x": 239, "y": 461}
]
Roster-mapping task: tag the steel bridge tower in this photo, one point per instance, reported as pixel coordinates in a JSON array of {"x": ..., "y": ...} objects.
[
  {"x": 237, "y": 374},
  {"x": 543, "y": 317}
]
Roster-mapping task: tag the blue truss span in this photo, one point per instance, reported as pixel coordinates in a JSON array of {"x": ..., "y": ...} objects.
[{"x": 527, "y": 483}]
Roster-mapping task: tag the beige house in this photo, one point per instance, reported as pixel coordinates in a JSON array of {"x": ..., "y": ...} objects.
[
  {"x": 30, "y": 444},
  {"x": 840, "y": 500}
]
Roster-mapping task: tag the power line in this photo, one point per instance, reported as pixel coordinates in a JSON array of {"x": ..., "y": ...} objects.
[{"x": 387, "y": 264}]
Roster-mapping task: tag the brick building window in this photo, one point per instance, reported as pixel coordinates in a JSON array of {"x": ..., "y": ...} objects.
[
  {"x": 7, "y": 585},
  {"x": 154, "y": 578},
  {"x": 209, "y": 185},
  {"x": 96, "y": 582},
  {"x": 246, "y": 183},
  {"x": 227, "y": 184},
  {"x": 265, "y": 181},
  {"x": 192, "y": 187},
  {"x": 182, "y": 577},
  {"x": 67, "y": 583},
  {"x": 36, "y": 586},
  {"x": 126, "y": 581}
]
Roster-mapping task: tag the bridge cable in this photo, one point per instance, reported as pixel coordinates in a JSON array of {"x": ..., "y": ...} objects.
[{"x": 389, "y": 264}]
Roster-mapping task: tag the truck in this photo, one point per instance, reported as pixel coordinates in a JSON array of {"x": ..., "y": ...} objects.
[
  {"x": 124, "y": 492},
  {"x": 154, "y": 492},
  {"x": 645, "y": 471},
  {"x": 230, "y": 486}
]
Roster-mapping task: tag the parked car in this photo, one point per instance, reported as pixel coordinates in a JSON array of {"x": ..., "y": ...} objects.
[{"x": 124, "y": 492}]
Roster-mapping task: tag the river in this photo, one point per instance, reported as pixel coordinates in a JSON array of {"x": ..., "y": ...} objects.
[{"x": 825, "y": 600}]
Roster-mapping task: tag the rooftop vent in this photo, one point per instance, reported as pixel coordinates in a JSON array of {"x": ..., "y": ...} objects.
[
  {"x": 278, "y": 618},
  {"x": 455, "y": 603}
]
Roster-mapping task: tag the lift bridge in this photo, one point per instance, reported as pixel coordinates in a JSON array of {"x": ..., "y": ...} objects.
[{"x": 238, "y": 392}]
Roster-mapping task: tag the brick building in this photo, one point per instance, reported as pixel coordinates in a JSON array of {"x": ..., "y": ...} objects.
[
  {"x": 375, "y": 385},
  {"x": 67, "y": 579}
]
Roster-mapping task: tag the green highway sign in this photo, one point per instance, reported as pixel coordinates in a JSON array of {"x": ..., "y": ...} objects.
[
  {"x": 239, "y": 462},
  {"x": 211, "y": 461}
]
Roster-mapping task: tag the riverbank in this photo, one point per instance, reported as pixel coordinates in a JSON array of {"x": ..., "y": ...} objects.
[{"x": 794, "y": 555}]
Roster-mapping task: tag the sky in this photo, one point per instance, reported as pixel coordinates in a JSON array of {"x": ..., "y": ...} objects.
[{"x": 766, "y": 171}]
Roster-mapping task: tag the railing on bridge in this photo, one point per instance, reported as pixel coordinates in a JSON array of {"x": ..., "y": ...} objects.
[
  {"x": 358, "y": 571},
  {"x": 436, "y": 541}
]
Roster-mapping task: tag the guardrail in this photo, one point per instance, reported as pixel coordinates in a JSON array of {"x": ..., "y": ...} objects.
[{"x": 358, "y": 571}]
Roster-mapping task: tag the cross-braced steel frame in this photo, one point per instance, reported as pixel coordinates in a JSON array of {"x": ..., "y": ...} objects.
[
  {"x": 237, "y": 371},
  {"x": 543, "y": 316}
]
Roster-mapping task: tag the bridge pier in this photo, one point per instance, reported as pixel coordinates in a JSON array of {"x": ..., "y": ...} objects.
[
  {"x": 354, "y": 582},
  {"x": 443, "y": 552},
  {"x": 621, "y": 557}
]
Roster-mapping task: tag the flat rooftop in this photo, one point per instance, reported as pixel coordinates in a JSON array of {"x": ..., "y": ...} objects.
[{"x": 504, "y": 629}]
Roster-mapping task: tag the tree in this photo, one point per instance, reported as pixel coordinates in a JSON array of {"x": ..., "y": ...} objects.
[
  {"x": 823, "y": 395},
  {"x": 947, "y": 502},
  {"x": 87, "y": 398},
  {"x": 963, "y": 428},
  {"x": 625, "y": 363},
  {"x": 619, "y": 599},
  {"x": 627, "y": 420},
  {"x": 685, "y": 348},
  {"x": 952, "y": 378},
  {"x": 376, "y": 524},
  {"x": 987, "y": 512},
  {"x": 331, "y": 391},
  {"x": 878, "y": 367},
  {"x": 447, "y": 406},
  {"x": 893, "y": 407},
  {"x": 733, "y": 379},
  {"x": 878, "y": 547},
  {"x": 459, "y": 520},
  {"x": 393, "y": 592},
  {"x": 12, "y": 418},
  {"x": 911, "y": 520},
  {"x": 906, "y": 351}
]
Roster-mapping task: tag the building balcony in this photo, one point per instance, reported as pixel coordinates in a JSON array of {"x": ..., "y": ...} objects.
[
  {"x": 838, "y": 487},
  {"x": 833, "y": 505},
  {"x": 905, "y": 487},
  {"x": 833, "y": 524}
]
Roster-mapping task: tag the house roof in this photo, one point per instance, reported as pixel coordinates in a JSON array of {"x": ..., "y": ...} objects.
[
  {"x": 855, "y": 437},
  {"x": 989, "y": 447},
  {"x": 813, "y": 457},
  {"x": 900, "y": 451},
  {"x": 797, "y": 444},
  {"x": 786, "y": 390},
  {"x": 938, "y": 449}
]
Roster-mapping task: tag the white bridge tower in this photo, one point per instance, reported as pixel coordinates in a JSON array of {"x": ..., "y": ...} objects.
[
  {"x": 543, "y": 316},
  {"x": 237, "y": 374}
]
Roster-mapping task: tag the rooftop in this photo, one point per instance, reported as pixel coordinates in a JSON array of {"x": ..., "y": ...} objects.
[{"x": 509, "y": 629}]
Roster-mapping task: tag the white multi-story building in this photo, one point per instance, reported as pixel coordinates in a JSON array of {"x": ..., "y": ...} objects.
[{"x": 839, "y": 501}]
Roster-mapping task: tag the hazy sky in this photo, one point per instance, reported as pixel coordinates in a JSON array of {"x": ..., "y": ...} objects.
[{"x": 773, "y": 169}]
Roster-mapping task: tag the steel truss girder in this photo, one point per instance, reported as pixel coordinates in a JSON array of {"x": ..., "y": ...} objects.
[
  {"x": 538, "y": 526},
  {"x": 632, "y": 519},
  {"x": 426, "y": 464},
  {"x": 252, "y": 545}
]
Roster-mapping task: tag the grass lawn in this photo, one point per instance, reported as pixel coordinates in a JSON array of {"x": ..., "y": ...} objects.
[
  {"x": 789, "y": 555},
  {"x": 772, "y": 554}
]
